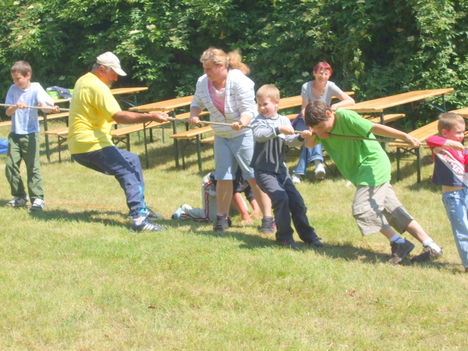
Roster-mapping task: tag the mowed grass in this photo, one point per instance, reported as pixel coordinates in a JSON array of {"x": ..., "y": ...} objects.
[{"x": 75, "y": 278}]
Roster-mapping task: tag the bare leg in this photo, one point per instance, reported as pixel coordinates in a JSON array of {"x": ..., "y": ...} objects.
[
  {"x": 255, "y": 209},
  {"x": 415, "y": 229},
  {"x": 223, "y": 196},
  {"x": 241, "y": 207},
  {"x": 262, "y": 198},
  {"x": 388, "y": 232}
]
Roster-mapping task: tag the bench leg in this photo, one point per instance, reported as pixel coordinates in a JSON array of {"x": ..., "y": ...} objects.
[
  {"x": 183, "y": 154},
  {"x": 176, "y": 144},
  {"x": 146, "y": 145},
  {"x": 60, "y": 141},
  {"x": 418, "y": 164},
  {"x": 199, "y": 159},
  {"x": 398, "y": 153},
  {"x": 46, "y": 139}
]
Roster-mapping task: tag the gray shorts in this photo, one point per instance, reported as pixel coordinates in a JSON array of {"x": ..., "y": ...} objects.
[
  {"x": 233, "y": 153},
  {"x": 377, "y": 207}
]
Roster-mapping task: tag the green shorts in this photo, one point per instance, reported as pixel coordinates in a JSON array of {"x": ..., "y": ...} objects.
[{"x": 377, "y": 207}]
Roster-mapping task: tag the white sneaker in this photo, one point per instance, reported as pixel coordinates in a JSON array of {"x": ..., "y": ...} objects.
[
  {"x": 296, "y": 179},
  {"x": 320, "y": 171},
  {"x": 38, "y": 204},
  {"x": 18, "y": 202}
]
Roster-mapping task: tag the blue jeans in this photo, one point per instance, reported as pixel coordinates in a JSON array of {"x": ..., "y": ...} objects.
[
  {"x": 308, "y": 154},
  {"x": 125, "y": 167},
  {"x": 456, "y": 205}
]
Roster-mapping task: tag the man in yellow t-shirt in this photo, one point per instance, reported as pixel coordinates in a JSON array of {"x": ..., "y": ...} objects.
[{"x": 93, "y": 108}]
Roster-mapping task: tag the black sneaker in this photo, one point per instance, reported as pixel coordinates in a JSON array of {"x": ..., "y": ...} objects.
[
  {"x": 149, "y": 213},
  {"x": 290, "y": 244},
  {"x": 153, "y": 215},
  {"x": 268, "y": 225},
  {"x": 400, "y": 251},
  {"x": 147, "y": 225},
  {"x": 315, "y": 242},
  {"x": 427, "y": 254},
  {"x": 222, "y": 223}
]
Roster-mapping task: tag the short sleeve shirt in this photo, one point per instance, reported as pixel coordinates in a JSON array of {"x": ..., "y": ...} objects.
[
  {"x": 363, "y": 162},
  {"x": 331, "y": 89},
  {"x": 25, "y": 121},
  {"x": 91, "y": 111}
]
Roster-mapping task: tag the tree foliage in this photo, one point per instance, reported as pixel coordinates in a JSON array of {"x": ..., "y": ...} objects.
[{"x": 376, "y": 47}]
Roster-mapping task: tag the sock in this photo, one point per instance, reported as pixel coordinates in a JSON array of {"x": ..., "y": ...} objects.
[
  {"x": 397, "y": 239},
  {"x": 317, "y": 162},
  {"x": 431, "y": 243}
]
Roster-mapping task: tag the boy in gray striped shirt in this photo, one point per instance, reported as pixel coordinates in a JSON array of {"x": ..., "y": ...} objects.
[{"x": 272, "y": 132}]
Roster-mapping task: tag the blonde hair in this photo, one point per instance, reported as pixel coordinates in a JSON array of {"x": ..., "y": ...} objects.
[
  {"x": 232, "y": 60},
  {"x": 268, "y": 91},
  {"x": 449, "y": 120}
]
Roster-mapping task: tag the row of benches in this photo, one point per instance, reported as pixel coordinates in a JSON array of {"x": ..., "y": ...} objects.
[{"x": 200, "y": 136}]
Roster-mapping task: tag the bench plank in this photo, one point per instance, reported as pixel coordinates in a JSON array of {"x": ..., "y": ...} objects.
[
  {"x": 421, "y": 133},
  {"x": 191, "y": 134}
]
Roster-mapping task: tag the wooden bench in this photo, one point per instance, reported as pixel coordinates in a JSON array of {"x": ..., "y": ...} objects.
[
  {"x": 61, "y": 134},
  {"x": 193, "y": 134},
  {"x": 421, "y": 133},
  {"x": 387, "y": 118}
]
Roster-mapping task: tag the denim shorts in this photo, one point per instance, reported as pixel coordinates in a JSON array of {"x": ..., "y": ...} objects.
[
  {"x": 377, "y": 207},
  {"x": 231, "y": 153}
]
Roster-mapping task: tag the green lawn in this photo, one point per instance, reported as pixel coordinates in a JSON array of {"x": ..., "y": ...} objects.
[{"x": 75, "y": 278}]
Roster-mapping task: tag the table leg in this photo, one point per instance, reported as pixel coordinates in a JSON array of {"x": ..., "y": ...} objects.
[
  {"x": 46, "y": 138},
  {"x": 418, "y": 163},
  {"x": 382, "y": 122},
  {"x": 199, "y": 153},
  {"x": 176, "y": 144},
  {"x": 146, "y": 145}
]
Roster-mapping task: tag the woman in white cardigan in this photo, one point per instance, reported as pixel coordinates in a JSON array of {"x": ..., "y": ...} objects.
[{"x": 229, "y": 96}]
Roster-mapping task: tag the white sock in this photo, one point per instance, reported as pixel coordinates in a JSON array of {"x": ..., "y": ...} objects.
[
  {"x": 317, "y": 162},
  {"x": 431, "y": 243},
  {"x": 397, "y": 239}
]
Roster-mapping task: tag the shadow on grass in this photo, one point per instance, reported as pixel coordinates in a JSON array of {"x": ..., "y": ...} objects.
[
  {"x": 336, "y": 251},
  {"x": 85, "y": 216}
]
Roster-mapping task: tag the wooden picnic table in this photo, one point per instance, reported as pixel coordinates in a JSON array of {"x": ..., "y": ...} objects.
[
  {"x": 165, "y": 105},
  {"x": 295, "y": 101},
  {"x": 381, "y": 104},
  {"x": 462, "y": 112},
  {"x": 168, "y": 106}
]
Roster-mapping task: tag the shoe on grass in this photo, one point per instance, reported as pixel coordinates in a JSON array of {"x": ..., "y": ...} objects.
[
  {"x": 145, "y": 225},
  {"x": 149, "y": 213},
  {"x": 18, "y": 201},
  {"x": 268, "y": 225},
  {"x": 296, "y": 178},
  {"x": 222, "y": 223},
  {"x": 315, "y": 242},
  {"x": 289, "y": 244},
  {"x": 428, "y": 254},
  {"x": 400, "y": 251},
  {"x": 320, "y": 171},
  {"x": 37, "y": 205},
  {"x": 153, "y": 215}
]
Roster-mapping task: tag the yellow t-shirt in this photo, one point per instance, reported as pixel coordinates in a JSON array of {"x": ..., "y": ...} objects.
[{"x": 91, "y": 111}]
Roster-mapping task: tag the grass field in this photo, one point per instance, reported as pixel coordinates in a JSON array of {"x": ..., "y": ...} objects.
[{"x": 75, "y": 278}]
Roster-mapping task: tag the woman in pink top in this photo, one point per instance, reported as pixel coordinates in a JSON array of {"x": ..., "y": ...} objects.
[{"x": 228, "y": 95}]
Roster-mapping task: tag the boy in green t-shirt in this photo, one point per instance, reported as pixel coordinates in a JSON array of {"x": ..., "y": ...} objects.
[{"x": 364, "y": 162}]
